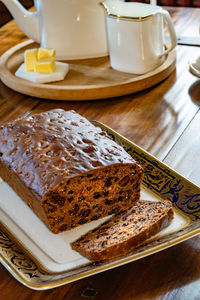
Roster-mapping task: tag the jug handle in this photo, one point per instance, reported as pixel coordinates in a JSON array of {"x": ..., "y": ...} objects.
[{"x": 171, "y": 29}]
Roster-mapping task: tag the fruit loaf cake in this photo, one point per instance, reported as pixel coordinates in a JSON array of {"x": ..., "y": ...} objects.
[
  {"x": 125, "y": 232},
  {"x": 66, "y": 169}
]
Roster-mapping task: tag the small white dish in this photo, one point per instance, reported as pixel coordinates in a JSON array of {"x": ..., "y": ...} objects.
[
  {"x": 194, "y": 65},
  {"x": 59, "y": 74}
]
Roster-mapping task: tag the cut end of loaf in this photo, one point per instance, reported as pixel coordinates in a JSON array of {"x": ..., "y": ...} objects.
[
  {"x": 125, "y": 232},
  {"x": 92, "y": 195},
  {"x": 67, "y": 170}
]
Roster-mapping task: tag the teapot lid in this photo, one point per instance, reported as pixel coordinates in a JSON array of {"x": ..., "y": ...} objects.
[{"x": 123, "y": 9}]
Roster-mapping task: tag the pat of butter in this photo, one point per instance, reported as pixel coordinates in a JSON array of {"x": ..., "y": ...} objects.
[
  {"x": 30, "y": 58},
  {"x": 45, "y": 65},
  {"x": 46, "y": 52},
  {"x": 59, "y": 74}
]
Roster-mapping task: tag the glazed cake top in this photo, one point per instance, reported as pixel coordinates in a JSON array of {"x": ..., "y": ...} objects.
[{"x": 44, "y": 149}]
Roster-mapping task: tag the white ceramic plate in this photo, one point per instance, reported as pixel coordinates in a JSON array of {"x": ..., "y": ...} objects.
[{"x": 41, "y": 260}]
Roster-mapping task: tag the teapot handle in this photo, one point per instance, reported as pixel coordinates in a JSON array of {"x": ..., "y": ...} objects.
[{"x": 26, "y": 20}]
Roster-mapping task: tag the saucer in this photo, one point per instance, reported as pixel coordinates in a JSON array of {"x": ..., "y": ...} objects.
[{"x": 194, "y": 65}]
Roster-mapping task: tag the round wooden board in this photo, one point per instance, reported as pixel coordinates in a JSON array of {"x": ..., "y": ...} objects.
[{"x": 88, "y": 79}]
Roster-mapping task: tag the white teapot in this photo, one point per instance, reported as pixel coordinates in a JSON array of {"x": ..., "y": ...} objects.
[{"x": 75, "y": 28}]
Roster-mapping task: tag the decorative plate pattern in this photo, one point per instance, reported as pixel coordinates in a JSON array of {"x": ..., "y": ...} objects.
[
  {"x": 157, "y": 177},
  {"x": 162, "y": 180}
]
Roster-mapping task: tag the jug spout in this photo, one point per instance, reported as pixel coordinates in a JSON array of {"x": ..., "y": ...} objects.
[
  {"x": 113, "y": 7},
  {"x": 27, "y": 21}
]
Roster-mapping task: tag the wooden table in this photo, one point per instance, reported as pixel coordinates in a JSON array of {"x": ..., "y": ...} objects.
[{"x": 164, "y": 120}]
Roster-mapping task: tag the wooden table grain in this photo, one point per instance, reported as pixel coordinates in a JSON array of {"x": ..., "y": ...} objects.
[{"x": 165, "y": 121}]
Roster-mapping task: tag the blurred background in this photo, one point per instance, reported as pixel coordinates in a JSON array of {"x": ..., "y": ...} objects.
[{"x": 5, "y": 16}]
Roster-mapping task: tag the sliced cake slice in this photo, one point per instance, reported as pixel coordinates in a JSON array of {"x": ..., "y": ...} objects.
[{"x": 125, "y": 232}]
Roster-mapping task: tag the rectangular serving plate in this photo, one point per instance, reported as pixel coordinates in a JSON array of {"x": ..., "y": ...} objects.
[{"x": 159, "y": 179}]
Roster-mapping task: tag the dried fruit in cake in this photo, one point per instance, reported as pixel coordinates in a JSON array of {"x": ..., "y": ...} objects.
[
  {"x": 66, "y": 169},
  {"x": 125, "y": 232}
]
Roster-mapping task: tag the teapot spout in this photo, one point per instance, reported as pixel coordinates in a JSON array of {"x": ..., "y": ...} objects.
[{"x": 27, "y": 21}]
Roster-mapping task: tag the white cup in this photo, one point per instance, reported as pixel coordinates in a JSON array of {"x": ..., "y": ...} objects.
[{"x": 136, "y": 35}]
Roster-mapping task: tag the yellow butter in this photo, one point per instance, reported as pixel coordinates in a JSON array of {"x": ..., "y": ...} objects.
[
  {"x": 46, "y": 52},
  {"x": 45, "y": 65},
  {"x": 30, "y": 58}
]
